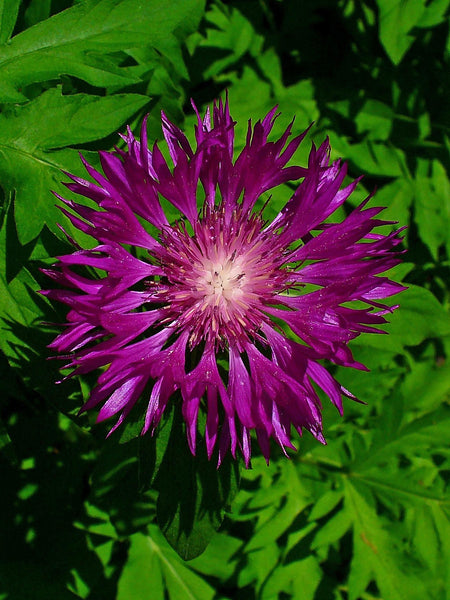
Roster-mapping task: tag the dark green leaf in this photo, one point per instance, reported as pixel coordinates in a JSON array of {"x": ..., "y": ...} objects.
[
  {"x": 117, "y": 489},
  {"x": 37, "y": 10},
  {"x": 6, "y": 447},
  {"x": 193, "y": 493}
]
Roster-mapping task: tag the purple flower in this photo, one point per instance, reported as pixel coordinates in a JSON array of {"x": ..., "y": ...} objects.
[{"x": 221, "y": 310}]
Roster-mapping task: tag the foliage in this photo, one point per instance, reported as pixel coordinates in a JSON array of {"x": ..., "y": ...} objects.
[{"x": 365, "y": 517}]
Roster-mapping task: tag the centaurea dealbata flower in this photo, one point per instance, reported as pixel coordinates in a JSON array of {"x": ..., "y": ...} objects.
[{"x": 222, "y": 311}]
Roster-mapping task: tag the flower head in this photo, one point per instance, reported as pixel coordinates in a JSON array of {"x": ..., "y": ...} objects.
[{"x": 228, "y": 311}]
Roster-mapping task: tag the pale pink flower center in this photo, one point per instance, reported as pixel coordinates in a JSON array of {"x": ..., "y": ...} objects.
[
  {"x": 221, "y": 277},
  {"x": 220, "y": 281}
]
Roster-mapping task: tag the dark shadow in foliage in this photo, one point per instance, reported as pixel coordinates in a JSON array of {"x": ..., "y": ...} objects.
[
  {"x": 116, "y": 487},
  {"x": 316, "y": 40},
  {"x": 332, "y": 567},
  {"x": 131, "y": 471},
  {"x": 28, "y": 341},
  {"x": 18, "y": 255},
  {"x": 32, "y": 362},
  {"x": 303, "y": 548},
  {"x": 40, "y": 548},
  {"x": 427, "y": 273}
]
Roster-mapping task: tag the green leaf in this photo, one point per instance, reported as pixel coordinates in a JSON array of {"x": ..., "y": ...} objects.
[
  {"x": 325, "y": 504},
  {"x": 153, "y": 570},
  {"x": 260, "y": 562},
  {"x": 299, "y": 579},
  {"x": 281, "y": 513},
  {"x": 372, "y": 157},
  {"x": 375, "y": 118},
  {"x": 20, "y": 305},
  {"x": 432, "y": 208},
  {"x": 193, "y": 493},
  {"x": 420, "y": 307},
  {"x": 397, "y": 197},
  {"x": 30, "y": 159},
  {"x": 77, "y": 41},
  {"x": 442, "y": 525},
  {"x": 427, "y": 384},
  {"x": 220, "y": 557},
  {"x": 376, "y": 554},
  {"x": 96, "y": 522},
  {"x": 37, "y": 10},
  {"x": 228, "y": 31},
  {"x": 397, "y": 18},
  {"x": 142, "y": 575},
  {"x": 333, "y": 529},
  {"x": 435, "y": 13},
  {"x": 8, "y": 17},
  {"x": 402, "y": 487},
  {"x": 116, "y": 488},
  {"x": 75, "y": 119},
  {"x": 429, "y": 431}
]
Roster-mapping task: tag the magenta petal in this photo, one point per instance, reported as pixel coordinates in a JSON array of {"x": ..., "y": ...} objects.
[
  {"x": 240, "y": 390},
  {"x": 246, "y": 447},
  {"x": 190, "y": 414},
  {"x": 159, "y": 398},
  {"x": 127, "y": 393},
  {"x": 212, "y": 420},
  {"x": 153, "y": 405}
]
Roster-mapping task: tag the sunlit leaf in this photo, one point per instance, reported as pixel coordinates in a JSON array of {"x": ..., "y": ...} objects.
[
  {"x": 397, "y": 18},
  {"x": 80, "y": 41},
  {"x": 8, "y": 16},
  {"x": 153, "y": 570},
  {"x": 432, "y": 208},
  {"x": 32, "y": 154},
  {"x": 377, "y": 554}
]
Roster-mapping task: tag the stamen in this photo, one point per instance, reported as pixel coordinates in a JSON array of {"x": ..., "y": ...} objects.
[{"x": 222, "y": 276}]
